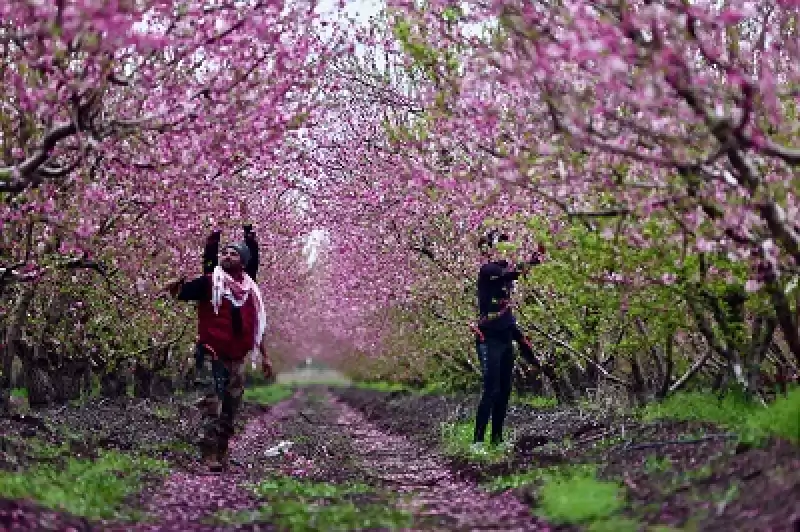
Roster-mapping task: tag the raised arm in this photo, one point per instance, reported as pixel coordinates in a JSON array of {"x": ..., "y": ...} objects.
[
  {"x": 211, "y": 252},
  {"x": 252, "y": 244}
]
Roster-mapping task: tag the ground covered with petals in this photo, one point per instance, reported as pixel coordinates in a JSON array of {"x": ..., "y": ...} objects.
[
  {"x": 358, "y": 459},
  {"x": 667, "y": 475}
]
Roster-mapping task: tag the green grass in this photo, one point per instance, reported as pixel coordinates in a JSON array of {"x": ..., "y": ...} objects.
[
  {"x": 89, "y": 488},
  {"x": 456, "y": 439},
  {"x": 656, "y": 464},
  {"x": 781, "y": 418},
  {"x": 163, "y": 412},
  {"x": 540, "y": 475},
  {"x": 267, "y": 394},
  {"x": 281, "y": 486},
  {"x": 433, "y": 388},
  {"x": 302, "y": 505},
  {"x": 19, "y": 392},
  {"x": 381, "y": 386},
  {"x": 730, "y": 410},
  {"x": 171, "y": 446},
  {"x": 752, "y": 420},
  {"x": 535, "y": 401},
  {"x": 573, "y": 495}
]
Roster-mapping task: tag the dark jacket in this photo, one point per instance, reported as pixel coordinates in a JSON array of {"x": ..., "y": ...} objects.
[{"x": 495, "y": 281}]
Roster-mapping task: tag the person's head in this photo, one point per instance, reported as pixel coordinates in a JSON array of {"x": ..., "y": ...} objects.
[
  {"x": 494, "y": 245},
  {"x": 234, "y": 257}
]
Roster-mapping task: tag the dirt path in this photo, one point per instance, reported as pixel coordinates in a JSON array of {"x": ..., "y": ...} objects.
[
  {"x": 305, "y": 376},
  {"x": 673, "y": 474},
  {"x": 189, "y": 496},
  {"x": 357, "y": 451},
  {"x": 434, "y": 491},
  {"x": 411, "y": 479}
]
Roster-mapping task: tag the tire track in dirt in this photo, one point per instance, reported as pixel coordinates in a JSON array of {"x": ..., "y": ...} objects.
[{"x": 434, "y": 493}]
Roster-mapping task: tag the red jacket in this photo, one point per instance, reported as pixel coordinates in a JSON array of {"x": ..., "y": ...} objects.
[{"x": 216, "y": 330}]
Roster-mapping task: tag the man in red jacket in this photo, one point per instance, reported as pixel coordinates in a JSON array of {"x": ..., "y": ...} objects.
[
  {"x": 203, "y": 378},
  {"x": 231, "y": 324}
]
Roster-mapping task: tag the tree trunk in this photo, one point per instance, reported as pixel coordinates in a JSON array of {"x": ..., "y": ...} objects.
[
  {"x": 69, "y": 380},
  {"x": 113, "y": 384},
  {"x": 38, "y": 381},
  {"x": 7, "y": 377},
  {"x": 565, "y": 391},
  {"x": 636, "y": 390},
  {"x": 13, "y": 337},
  {"x": 142, "y": 381},
  {"x": 162, "y": 386}
]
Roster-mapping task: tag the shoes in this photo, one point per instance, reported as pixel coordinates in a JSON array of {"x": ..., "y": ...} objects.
[{"x": 495, "y": 447}]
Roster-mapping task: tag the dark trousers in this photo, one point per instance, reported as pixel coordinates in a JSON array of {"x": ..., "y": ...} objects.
[
  {"x": 496, "y": 355},
  {"x": 199, "y": 356}
]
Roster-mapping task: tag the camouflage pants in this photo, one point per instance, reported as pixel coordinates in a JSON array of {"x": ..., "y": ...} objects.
[{"x": 221, "y": 404}]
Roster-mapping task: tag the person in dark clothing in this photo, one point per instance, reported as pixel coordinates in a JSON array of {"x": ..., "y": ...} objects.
[
  {"x": 497, "y": 329},
  {"x": 231, "y": 324},
  {"x": 210, "y": 260}
]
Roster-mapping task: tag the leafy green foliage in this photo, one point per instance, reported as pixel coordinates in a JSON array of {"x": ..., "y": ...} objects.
[{"x": 385, "y": 386}]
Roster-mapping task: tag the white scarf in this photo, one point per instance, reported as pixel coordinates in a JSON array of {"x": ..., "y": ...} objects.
[{"x": 225, "y": 286}]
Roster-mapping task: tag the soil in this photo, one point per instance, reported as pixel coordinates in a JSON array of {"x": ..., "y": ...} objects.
[
  {"x": 391, "y": 442},
  {"x": 709, "y": 484}
]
